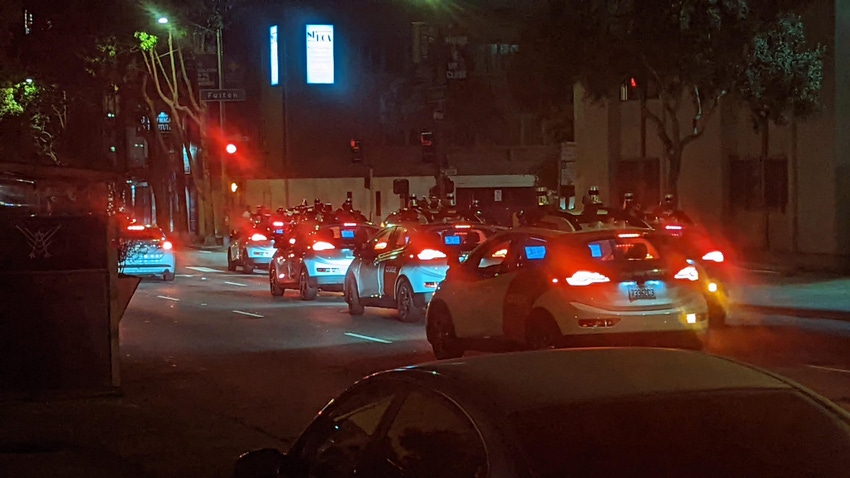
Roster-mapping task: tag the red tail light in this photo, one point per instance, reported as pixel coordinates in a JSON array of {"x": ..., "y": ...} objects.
[
  {"x": 428, "y": 254},
  {"x": 135, "y": 228},
  {"x": 350, "y": 224},
  {"x": 714, "y": 256},
  {"x": 167, "y": 245},
  {"x": 277, "y": 224},
  {"x": 259, "y": 237},
  {"x": 688, "y": 273},
  {"x": 322, "y": 246},
  {"x": 673, "y": 227},
  {"x": 581, "y": 278}
]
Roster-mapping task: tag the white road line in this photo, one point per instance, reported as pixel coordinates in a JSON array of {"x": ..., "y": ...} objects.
[
  {"x": 235, "y": 283},
  {"x": 366, "y": 337},
  {"x": 168, "y": 298},
  {"x": 205, "y": 252},
  {"x": 184, "y": 275},
  {"x": 249, "y": 314},
  {"x": 202, "y": 269},
  {"x": 829, "y": 369}
]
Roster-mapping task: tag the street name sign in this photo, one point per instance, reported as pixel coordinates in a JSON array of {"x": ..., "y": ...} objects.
[{"x": 223, "y": 95}]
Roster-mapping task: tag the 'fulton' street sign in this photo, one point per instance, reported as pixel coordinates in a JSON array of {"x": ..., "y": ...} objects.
[{"x": 222, "y": 95}]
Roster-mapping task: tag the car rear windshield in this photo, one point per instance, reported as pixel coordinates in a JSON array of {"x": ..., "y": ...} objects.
[
  {"x": 466, "y": 238},
  {"x": 773, "y": 433},
  {"x": 146, "y": 234},
  {"x": 342, "y": 236},
  {"x": 623, "y": 248}
]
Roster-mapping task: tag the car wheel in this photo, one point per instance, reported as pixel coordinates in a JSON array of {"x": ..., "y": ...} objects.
[
  {"x": 307, "y": 292},
  {"x": 274, "y": 285},
  {"x": 168, "y": 276},
  {"x": 247, "y": 265},
  {"x": 231, "y": 266},
  {"x": 440, "y": 331},
  {"x": 408, "y": 311},
  {"x": 541, "y": 331},
  {"x": 355, "y": 307}
]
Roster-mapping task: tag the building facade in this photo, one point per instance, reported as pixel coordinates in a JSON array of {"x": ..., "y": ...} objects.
[
  {"x": 803, "y": 205},
  {"x": 388, "y": 75}
]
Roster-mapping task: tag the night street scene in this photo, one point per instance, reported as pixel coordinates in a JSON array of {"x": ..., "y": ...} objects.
[{"x": 424, "y": 238}]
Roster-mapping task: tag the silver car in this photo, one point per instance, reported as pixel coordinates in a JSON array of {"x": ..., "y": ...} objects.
[
  {"x": 249, "y": 248},
  {"x": 145, "y": 251},
  {"x": 315, "y": 256}
]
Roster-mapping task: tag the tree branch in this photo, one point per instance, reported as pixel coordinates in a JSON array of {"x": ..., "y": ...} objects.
[{"x": 660, "y": 126}]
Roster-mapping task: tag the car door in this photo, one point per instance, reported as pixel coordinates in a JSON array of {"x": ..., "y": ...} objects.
[
  {"x": 368, "y": 277},
  {"x": 477, "y": 305},
  {"x": 529, "y": 281},
  {"x": 391, "y": 260},
  {"x": 236, "y": 245}
]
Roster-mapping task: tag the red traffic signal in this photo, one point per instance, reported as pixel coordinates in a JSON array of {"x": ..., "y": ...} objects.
[{"x": 230, "y": 148}]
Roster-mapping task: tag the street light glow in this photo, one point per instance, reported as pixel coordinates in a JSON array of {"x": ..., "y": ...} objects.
[
  {"x": 230, "y": 148},
  {"x": 162, "y": 20},
  {"x": 234, "y": 187},
  {"x": 29, "y": 81}
]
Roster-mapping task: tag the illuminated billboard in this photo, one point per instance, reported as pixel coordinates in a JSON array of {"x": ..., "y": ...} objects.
[
  {"x": 273, "y": 50},
  {"x": 320, "y": 54}
]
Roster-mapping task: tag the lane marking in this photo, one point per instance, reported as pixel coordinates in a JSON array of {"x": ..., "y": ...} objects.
[
  {"x": 168, "y": 298},
  {"x": 205, "y": 252},
  {"x": 236, "y": 283},
  {"x": 366, "y": 337},
  {"x": 249, "y": 314},
  {"x": 829, "y": 369},
  {"x": 184, "y": 275},
  {"x": 202, "y": 269}
]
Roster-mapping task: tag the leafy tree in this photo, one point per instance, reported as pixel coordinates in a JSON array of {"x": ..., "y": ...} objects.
[{"x": 692, "y": 52}]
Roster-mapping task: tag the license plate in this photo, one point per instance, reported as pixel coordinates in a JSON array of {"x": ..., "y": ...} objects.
[{"x": 641, "y": 293}]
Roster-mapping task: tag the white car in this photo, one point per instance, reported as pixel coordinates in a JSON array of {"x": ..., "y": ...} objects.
[
  {"x": 540, "y": 288},
  {"x": 250, "y": 248},
  {"x": 401, "y": 266},
  {"x": 147, "y": 252}
]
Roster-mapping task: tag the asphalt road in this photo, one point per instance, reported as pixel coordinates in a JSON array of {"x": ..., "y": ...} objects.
[{"x": 216, "y": 348}]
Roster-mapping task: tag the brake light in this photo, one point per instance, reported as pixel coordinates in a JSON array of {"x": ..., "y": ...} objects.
[
  {"x": 167, "y": 245},
  {"x": 673, "y": 227},
  {"x": 277, "y": 224},
  {"x": 428, "y": 254},
  {"x": 462, "y": 226},
  {"x": 350, "y": 224},
  {"x": 135, "y": 228},
  {"x": 587, "y": 278},
  {"x": 688, "y": 273},
  {"x": 714, "y": 256},
  {"x": 628, "y": 235},
  {"x": 258, "y": 237},
  {"x": 322, "y": 246}
]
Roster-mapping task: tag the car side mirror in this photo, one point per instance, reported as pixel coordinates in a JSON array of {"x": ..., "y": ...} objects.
[{"x": 263, "y": 463}]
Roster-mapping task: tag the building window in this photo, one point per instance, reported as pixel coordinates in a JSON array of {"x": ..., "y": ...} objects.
[
  {"x": 745, "y": 183},
  {"x": 497, "y": 56}
]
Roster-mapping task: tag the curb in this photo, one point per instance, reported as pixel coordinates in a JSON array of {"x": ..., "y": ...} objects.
[{"x": 838, "y": 315}]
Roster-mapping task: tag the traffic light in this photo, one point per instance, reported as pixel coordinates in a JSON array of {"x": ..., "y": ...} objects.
[
  {"x": 429, "y": 153},
  {"x": 629, "y": 90},
  {"x": 356, "y": 151}
]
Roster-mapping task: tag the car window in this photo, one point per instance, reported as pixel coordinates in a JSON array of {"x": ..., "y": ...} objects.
[
  {"x": 401, "y": 238},
  {"x": 381, "y": 241},
  {"x": 430, "y": 437},
  {"x": 492, "y": 259},
  {"x": 531, "y": 252},
  {"x": 623, "y": 249},
  {"x": 774, "y": 433},
  {"x": 336, "y": 443},
  {"x": 142, "y": 233}
]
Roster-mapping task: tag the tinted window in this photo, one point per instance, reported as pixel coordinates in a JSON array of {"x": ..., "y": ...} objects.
[
  {"x": 335, "y": 445},
  {"x": 736, "y": 433},
  {"x": 431, "y": 438},
  {"x": 621, "y": 249},
  {"x": 462, "y": 238},
  {"x": 341, "y": 236},
  {"x": 146, "y": 234}
]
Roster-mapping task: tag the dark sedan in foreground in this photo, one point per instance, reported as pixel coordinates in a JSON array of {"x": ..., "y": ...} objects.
[{"x": 580, "y": 412}]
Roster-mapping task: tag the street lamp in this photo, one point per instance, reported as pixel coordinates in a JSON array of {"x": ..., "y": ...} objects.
[{"x": 162, "y": 20}]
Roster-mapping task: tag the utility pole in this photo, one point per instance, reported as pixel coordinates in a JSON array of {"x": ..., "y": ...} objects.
[{"x": 223, "y": 162}]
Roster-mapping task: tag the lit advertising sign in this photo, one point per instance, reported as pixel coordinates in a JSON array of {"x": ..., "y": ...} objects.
[
  {"x": 275, "y": 65},
  {"x": 320, "y": 54}
]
